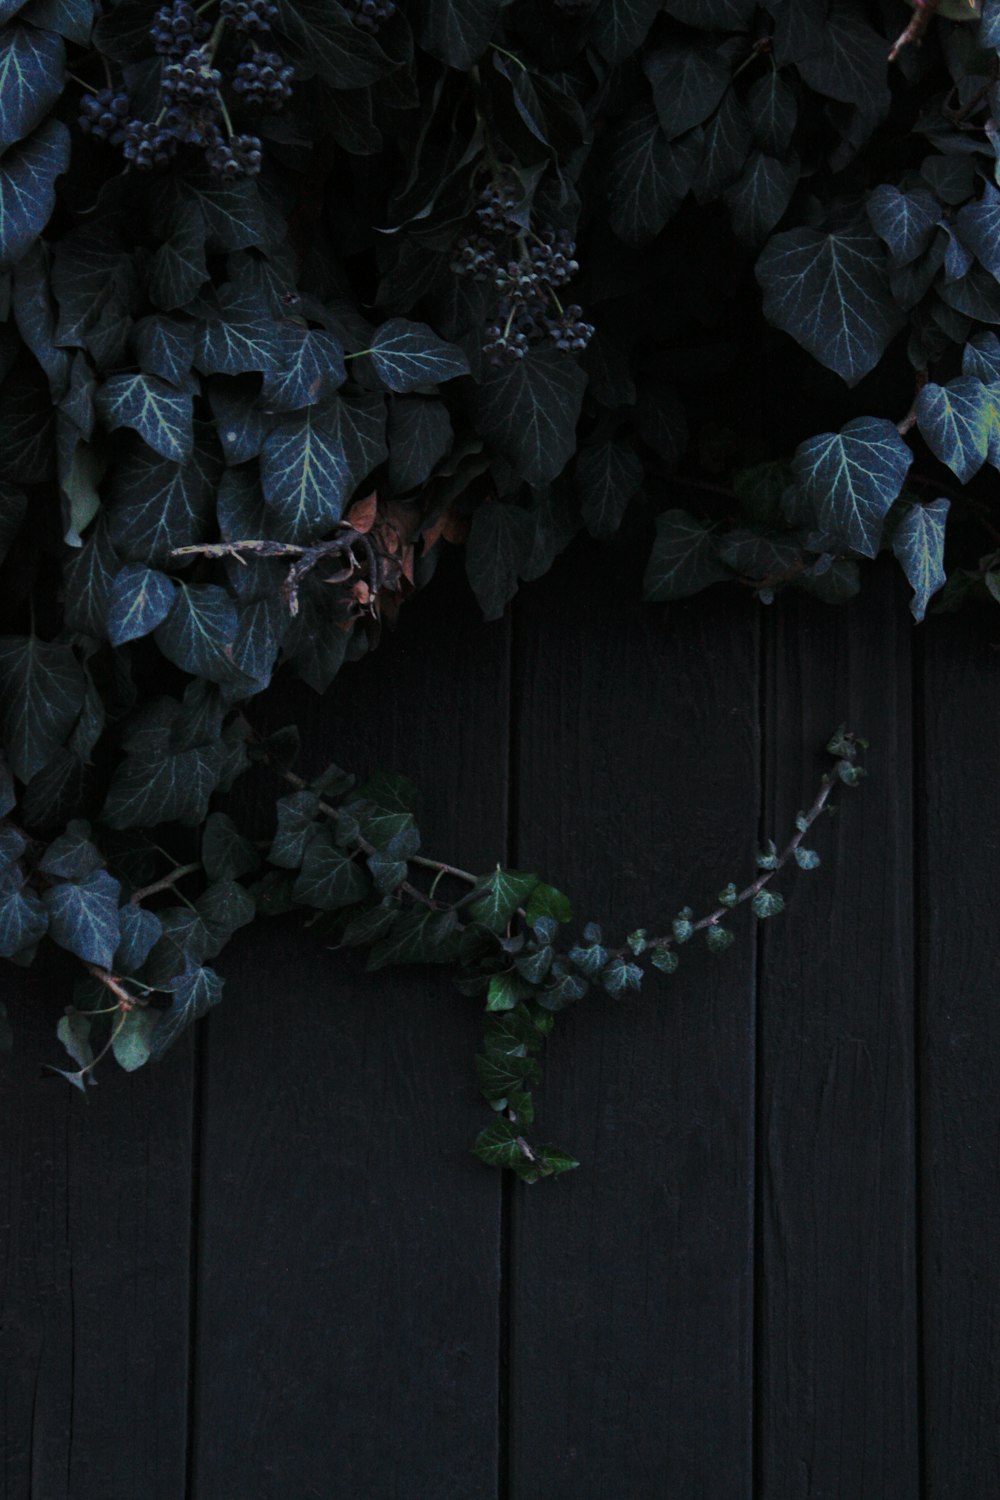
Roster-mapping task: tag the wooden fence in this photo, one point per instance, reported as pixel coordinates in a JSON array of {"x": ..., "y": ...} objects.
[{"x": 269, "y": 1268}]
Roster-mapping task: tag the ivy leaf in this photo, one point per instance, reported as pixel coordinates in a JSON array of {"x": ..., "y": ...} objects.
[
  {"x": 529, "y": 410},
  {"x": 73, "y": 19},
  {"x": 831, "y": 292},
  {"x": 420, "y": 434},
  {"x": 904, "y": 221},
  {"x": 417, "y": 937},
  {"x": 849, "y": 62},
  {"x": 193, "y": 995},
  {"x": 456, "y": 32},
  {"x": 225, "y": 852},
  {"x": 27, "y": 188},
  {"x": 31, "y": 79},
  {"x": 329, "y": 879},
  {"x": 160, "y": 414},
  {"x": 73, "y": 1031},
  {"x": 918, "y": 543},
  {"x": 199, "y": 631},
  {"x": 504, "y": 992},
  {"x": 72, "y": 856},
  {"x": 157, "y": 506},
  {"x": 324, "y": 37},
  {"x": 132, "y": 1039},
  {"x": 546, "y": 902},
  {"x": 150, "y": 787},
  {"x": 759, "y": 198},
  {"x": 767, "y": 904},
  {"x": 310, "y": 367},
  {"x": 42, "y": 694},
  {"x": 297, "y": 827},
  {"x": 83, "y": 917},
  {"x": 688, "y": 84},
  {"x": 727, "y": 141},
  {"x": 139, "y": 930},
  {"x": 850, "y": 479},
  {"x": 232, "y": 347},
  {"x": 979, "y": 227},
  {"x": 497, "y": 1146},
  {"x": 23, "y": 920},
  {"x": 713, "y": 15},
  {"x": 499, "y": 895},
  {"x": 607, "y": 476},
  {"x": 406, "y": 355},
  {"x": 957, "y": 421},
  {"x": 501, "y": 541},
  {"x": 178, "y": 268},
  {"x": 223, "y": 908},
  {"x": 773, "y": 112},
  {"x": 620, "y": 26},
  {"x": 648, "y": 177},
  {"x": 683, "y": 560},
  {"x": 165, "y": 347},
  {"x": 140, "y": 600},
  {"x": 311, "y": 463}
]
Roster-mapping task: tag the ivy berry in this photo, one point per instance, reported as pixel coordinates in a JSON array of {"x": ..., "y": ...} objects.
[
  {"x": 568, "y": 331},
  {"x": 263, "y": 81},
  {"x": 176, "y": 29},
  {"x": 104, "y": 114},
  {"x": 240, "y": 156},
  {"x": 248, "y": 16},
  {"x": 192, "y": 80},
  {"x": 370, "y": 15},
  {"x": 146, "y": 145}
]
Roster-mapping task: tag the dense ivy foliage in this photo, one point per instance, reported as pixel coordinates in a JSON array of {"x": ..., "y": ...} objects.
[{"x": 296, "y": 294}]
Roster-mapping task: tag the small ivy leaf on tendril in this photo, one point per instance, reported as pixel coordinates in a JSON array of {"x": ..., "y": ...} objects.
[{"x": 767, "y": 904}]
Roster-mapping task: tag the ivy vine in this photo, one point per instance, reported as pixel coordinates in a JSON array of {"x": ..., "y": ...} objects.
[{"x": 295, "y": 294}]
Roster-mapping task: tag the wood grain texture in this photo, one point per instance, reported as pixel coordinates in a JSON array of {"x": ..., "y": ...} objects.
[
  {"x": 836, "y": 1350},
  {"x": 348, "y": 1294},
  {"x": 960, "y": 1057},
  {"x": 632, "y": 1277},
  {"x": 94, "y": 1265}
]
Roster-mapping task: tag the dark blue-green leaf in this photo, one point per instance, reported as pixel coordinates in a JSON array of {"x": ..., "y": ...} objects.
[
  {"x": 850, "y": 479},
  {"x": 918, "y": 543},
  {"x": 41, "y": 693},
  {"x": 83, "y": 917},
  {"x": 683, "y": 560},
  {"x": 199, "y": 632},
  {"x": 160, "y": 414},
  {"x": 958, "y": 421},
  {"x": 140, "y": 600},
  {"x": 31, "y": 79},
  {"x": 529, "y": 411},
  {"x": 27, "y": 188},
  {"x": 406, "y": 355},
  {"x": 194, "y": 993}
]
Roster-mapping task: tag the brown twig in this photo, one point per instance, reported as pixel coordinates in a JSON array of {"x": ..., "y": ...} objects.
[{"x": 914, "y": 32}]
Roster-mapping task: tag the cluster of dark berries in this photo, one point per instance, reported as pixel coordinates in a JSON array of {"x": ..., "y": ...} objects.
[
  {"x": 239, "y": 156},
  {"x": 370, "y": 15},
  {"x": 263, "y": 80},
  {"x": 198, "y": 61},
  {"x": 176, "y": 29},
  {"x": 193, "y": 82},
  {"x": 529, "y": 311},
  {"x": 249, "y": 17},
  {"x": 146, "y": 145},
  {"x": 103, "y": 115}
]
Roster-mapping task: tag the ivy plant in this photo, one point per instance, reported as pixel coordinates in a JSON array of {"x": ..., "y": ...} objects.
[{"x": 296, "y": 295}]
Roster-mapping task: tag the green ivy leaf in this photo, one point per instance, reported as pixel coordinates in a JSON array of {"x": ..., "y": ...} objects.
[
  {"x": 140, "y": 600},
  {"x": 718, "y": 938},
  {"x": 499, "y": 895},
  {"x": 649, "y": 176},
  {"x": 767, "y": 904},
  {"x": 418, "y": 937},
  {"x": 688, "y": 83},
  {"x": 193, "y": 994},
  {"x": 458, "y": 31},
  {"x": 132, "y": 1040},
  {"x": 72, "y": 856},
  {"x": 160, "y": 414},
  {"x": 151, "y": 787},
  {"x": 620, "y": 977},
  {"x": 27, "y": 188},
  {"x": 530, "y": 410},
  {"x": 905, "y": 222},
  {"x": 23, "y": 919},
  {"x": 607, "y": 476},
  {"x": 42, "y": 693},
  {"x": 139, "y": 930},
  {"x": 806, "y": 859},
  {"x": 312, "y": 462},
  {"x": 959, "y": 423},
  {"x": 505, "y": 990},
  {"x": 683, "y": 560},
  {"x": 499, "y": 550},
  {"x": 620, "y": 26},
  {"x": 407, "y": 355},
  {"x": 329, "y": 879},
  {"x": 850, "y": 480},
  {"x": 199, "y": 633},
  {"x": 157, "y": 506},
  {"x": 918, "y": 543},
  {"x": 664, "y": 959},
  {"x": 831, "y": 292},
  {"x": 83, "y": 917},
  {"x": 311, "y": 367},
  {"x": 225, "y": 852}
]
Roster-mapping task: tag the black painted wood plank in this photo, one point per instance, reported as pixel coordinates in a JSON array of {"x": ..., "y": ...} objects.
[
  {"x": 960, "y": 1054},
  {"x": 836, "y": 1386},
  {"x": 348, "y": 1290},
  {"x": 631, "y": 1296},
  {"x": 94, "y": 1266}
]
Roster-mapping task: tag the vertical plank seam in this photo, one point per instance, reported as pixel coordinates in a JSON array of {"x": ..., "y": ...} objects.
[
  {"x": 506, "y": 1257},
  {"x": 199, "y": 1040},
  {"x": 918, "y": 787},
  {"x": 765, "y": 641}
]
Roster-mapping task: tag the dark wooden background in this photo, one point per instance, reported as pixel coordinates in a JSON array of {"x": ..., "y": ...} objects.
[{"x": 269, "y": 1268}]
